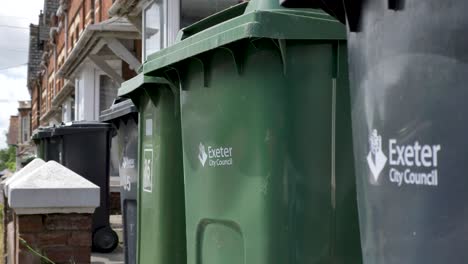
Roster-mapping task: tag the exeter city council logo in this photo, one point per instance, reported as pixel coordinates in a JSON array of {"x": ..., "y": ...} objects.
[
  {"x": 214, "y": 156},
  {"x": 202, "y": 156},
  {"x": 376, "y": 159}
]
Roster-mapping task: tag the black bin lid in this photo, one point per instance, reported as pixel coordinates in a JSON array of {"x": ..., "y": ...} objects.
[{"x": 71, "y": 128}]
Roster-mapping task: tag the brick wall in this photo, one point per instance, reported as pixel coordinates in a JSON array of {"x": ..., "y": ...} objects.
[
  {"x": 127, "y": 73},
  {"x": 101, "y": 10},
  {"x": 13, "y": 131},
  {"x": 43, "y": 96},
  {"x": 115, "y": 205},
  {"x": 63, "y": 238},
  {"x": 35, "y": 105},
  {"x": 106, "y": 5}
]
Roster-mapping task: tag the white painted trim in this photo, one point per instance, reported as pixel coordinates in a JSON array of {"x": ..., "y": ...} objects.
[
  {"x": 97, "y": 89},
  {"x": 77, "y": 99},
  {"x": 122, "y": 52},
  {"x": 163, "y": 26},
  {"x": 101, "y": 43},
  {"x": 33, "y": 165},
  {"x": 53, "y": 188},
  {"x": 173, "y": 23},
  {"x": 104, "y": 66}
]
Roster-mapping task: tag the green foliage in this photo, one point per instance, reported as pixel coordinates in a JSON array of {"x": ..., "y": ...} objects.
[
  {"x": 44, "y": 259},
  {"x": 8, "y": 159}
]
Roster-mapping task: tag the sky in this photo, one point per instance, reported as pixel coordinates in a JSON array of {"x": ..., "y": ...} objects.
[{"x": 15, "y": 18}]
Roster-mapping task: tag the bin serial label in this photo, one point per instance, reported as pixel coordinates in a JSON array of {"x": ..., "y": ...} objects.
[
  {"x": 127, "y": 179},
  {"x": 148, "y": 170},
  {"x": 414, "y": 164},
  {"x": 214, "y": 156}
]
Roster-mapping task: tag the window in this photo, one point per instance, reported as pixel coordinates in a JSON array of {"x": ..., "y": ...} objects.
[
  {"x": 154, "y": 27},
  {"x": 65, "y": 113},
  {"x": 68, "y": 110},
  {"x": 72, "y": 111},
  {"x": 25, "y": 128},
  {"x": 107, "y": 92},
  {"x": 162, "y": 20},
  {"x": 79, "y": 101}
]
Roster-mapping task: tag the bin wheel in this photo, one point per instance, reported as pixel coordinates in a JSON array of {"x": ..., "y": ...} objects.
[{"x": 105, "y": 240}]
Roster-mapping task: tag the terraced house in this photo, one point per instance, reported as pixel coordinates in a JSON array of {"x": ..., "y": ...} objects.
[
  {"x": 82, "y": 50},
  {"x": 86, "y": 56}
]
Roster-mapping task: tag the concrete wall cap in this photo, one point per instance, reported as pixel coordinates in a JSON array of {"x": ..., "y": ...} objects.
[
  {"x": 33, "y": 165},
  {"x": 53, "y": 188}
]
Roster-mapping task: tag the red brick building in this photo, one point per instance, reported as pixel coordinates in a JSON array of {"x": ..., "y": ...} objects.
[
  {"x": 13, "y": 131},
  {"x": 19, "y": 133},
  {"x": 85, "y": 57},
  {"x": 82, "y": 50}
]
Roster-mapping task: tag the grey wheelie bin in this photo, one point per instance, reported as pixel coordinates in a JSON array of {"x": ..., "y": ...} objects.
[
  {"x": 124, "y": 116},
  {"x": 408, "y": 71}
]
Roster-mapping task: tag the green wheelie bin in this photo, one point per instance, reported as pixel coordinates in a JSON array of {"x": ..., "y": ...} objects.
[
  {"x": 266, "y": 136},
  {"x": 160, "y": 198}
]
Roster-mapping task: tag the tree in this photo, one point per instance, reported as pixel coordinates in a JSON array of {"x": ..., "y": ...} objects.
[{"x": 8, "y": 158}]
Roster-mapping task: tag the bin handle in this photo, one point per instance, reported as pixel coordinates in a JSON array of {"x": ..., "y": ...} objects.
[
  {"x": 165, "y": 81},
  {"x": 170, "y": 82},
  {"x": 225, "y": 15},
  {"x": 174, "y": 88}
]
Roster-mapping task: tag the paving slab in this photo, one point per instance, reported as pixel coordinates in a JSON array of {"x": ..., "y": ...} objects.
[{"x": 116, "y": 257}]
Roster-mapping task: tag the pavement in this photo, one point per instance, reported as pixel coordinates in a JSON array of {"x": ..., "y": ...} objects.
[{"x": 117, "y": 256}]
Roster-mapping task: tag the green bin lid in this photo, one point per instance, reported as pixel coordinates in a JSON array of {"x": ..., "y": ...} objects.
[{"x": 249, "y": 20}]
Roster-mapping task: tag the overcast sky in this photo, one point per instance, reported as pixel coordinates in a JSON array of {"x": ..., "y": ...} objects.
[{"x": 15, "y": 17}]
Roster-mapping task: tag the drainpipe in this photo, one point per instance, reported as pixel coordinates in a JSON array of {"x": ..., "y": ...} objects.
[
  {"x": 66, "y": 34},
  {"x": 62, "y": 11},
  {"x": 53, "y": 33},
  {"x": 92, "y": 11}
]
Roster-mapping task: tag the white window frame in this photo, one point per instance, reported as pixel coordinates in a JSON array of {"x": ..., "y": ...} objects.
[
  {"x": 25, "y": 128},
  {"x": 173, "y": 23},
  {"x": 67, "y": 110},
  {"x": 163, "y": 26}
]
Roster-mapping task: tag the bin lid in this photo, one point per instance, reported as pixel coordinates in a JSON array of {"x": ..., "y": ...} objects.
[
  {"x": 74, "y": 127},
  {"x": 120, "y": 109},
  {"x": 138, "y": 81},
  {"x": 248, "y": 20}
]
